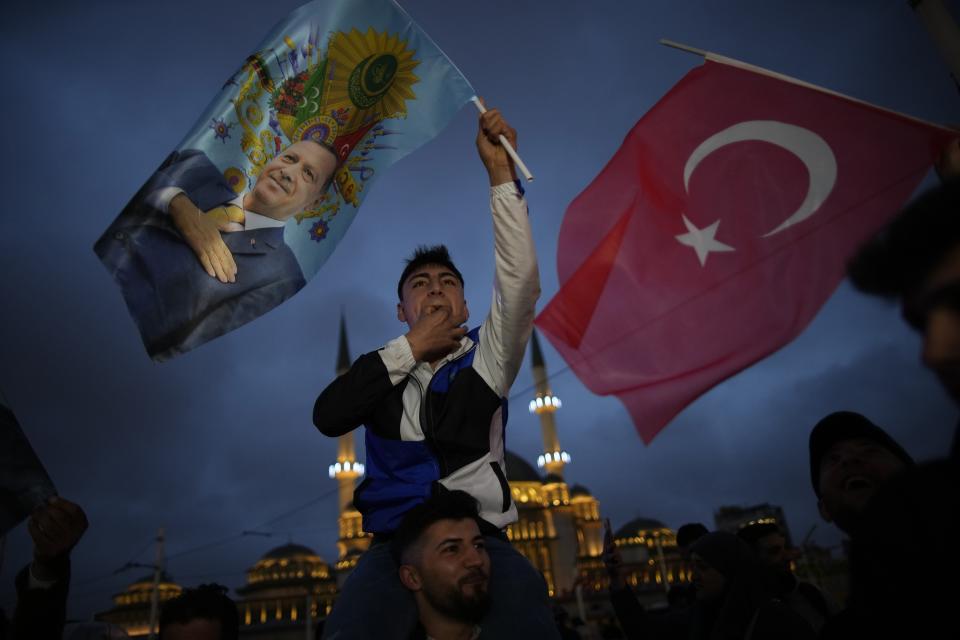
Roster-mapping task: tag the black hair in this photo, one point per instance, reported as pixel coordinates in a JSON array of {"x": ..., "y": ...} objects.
[
  {"x": 336, "y": 156},
  {"x": 896, "y": 261},
  {"x": 423, "y": 256},
  {"x": 448, "y": 505},
  {"x": 207, "y": 602},
  {"x": 689, "y": 533},
  {"x": 752, "y": 533}
]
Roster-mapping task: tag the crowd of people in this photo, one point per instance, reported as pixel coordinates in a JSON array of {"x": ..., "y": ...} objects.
[{"x": 437, "y": 501}]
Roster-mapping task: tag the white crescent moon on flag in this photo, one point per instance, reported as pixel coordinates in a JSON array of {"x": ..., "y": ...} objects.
[{"x": 811, "y": 149}]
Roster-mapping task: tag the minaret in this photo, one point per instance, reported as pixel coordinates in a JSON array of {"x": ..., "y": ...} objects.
[
  {"x": 545, "y": 405},
  {"x": 346, "y": 470}
]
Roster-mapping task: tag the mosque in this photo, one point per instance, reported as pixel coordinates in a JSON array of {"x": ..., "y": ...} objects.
[{"x": 560, "y": 530}]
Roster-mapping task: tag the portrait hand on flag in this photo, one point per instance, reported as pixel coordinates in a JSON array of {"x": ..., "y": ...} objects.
[{"x": 202, "y": 233}]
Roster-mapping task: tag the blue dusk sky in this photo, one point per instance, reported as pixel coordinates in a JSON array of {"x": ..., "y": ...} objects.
[{"x": 220, "y": 440}]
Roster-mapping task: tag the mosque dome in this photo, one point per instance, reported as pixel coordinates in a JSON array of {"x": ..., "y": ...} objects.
[
  {"x": 638, "y": 527},
  {"x": 288, "y": 563},
  {"x": 519, "y": 470},
  {"x": 140, "y": 591},
  {"x": 290, "y": 551},
  {"x": 579, "y": 490},
  {"x": 131, "y": 607}
]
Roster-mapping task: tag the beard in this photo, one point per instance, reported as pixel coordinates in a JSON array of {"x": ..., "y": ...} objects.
[{"x": 468, "y": 604}]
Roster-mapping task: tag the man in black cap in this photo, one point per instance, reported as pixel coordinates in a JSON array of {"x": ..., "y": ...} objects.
[{"x": 850, "y": 458}]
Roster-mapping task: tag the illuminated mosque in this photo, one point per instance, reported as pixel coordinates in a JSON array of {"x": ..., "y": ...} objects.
[{"x": 560, "y": 530}]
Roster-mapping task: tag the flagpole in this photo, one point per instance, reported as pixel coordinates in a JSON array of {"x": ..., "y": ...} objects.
[
  {"x": 506, "y": 145},
  {"x": 746, "y": 66},
  {"x": 943, "y": 31}
]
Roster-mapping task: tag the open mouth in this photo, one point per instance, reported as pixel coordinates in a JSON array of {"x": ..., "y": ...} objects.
[{"x": 856, "y": 483}]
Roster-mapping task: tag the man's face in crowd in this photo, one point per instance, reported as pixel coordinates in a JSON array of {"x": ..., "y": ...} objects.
[
  {"x": 851, "y": 471},
  {"x": 772, "y": 550},
  {"x": 934, "y": 309},
  {"x": 452, "y": 571},
  {"x": 707, "y": 581},
  {"x": 292, "y": 181},
  {"x": 429, "y": 289}
]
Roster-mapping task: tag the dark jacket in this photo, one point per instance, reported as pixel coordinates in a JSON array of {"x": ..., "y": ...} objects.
[{"x": 177, "y": 306}]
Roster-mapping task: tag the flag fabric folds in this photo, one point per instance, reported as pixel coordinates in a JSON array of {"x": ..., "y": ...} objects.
[
  {"x": 719, "y": 229},
  {"x": 360, "y": 78},
  {"x": 24, "y": 483}
]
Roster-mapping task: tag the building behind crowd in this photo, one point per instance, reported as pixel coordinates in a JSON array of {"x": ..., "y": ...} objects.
[
  {"x": 732, "y": 519},
  {"x": 813, "y": 563},
  {"x": 131, "y": 607}
]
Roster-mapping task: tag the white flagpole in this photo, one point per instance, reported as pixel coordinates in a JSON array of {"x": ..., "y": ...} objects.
[
  {"x": 506, "y": 145},
  {"x": 779, "y": 76},
  {"x": 943, "y": 30}
]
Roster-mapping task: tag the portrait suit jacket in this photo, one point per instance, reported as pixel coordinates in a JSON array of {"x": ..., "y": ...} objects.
[{"x": 175, "y": 304}]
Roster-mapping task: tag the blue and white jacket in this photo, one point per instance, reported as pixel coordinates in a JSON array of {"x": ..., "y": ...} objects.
[{"x": 429, "y": 428}]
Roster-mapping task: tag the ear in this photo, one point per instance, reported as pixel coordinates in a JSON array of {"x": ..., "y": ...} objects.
[
  {"x": 401, "y": 316},
  {"x": 466, "y": 310},
  {"x": 823, "y": 511},
  {"x": 410, "y": 578}
]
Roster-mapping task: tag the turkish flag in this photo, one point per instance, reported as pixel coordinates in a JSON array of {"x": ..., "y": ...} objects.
[{"x": 719, "y": 229}]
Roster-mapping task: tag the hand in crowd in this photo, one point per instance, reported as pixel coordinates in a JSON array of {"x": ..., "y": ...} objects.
[
  {"x": 948, "y": 164},
  {"x": 436, "y": 334},
  {"x": 492, "y": 153},
  {"x": 202, "y": 234},
  {"x": 55, "y": 528}
]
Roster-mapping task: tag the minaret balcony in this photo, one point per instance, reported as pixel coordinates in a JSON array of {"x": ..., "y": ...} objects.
[
  {"x": 552, "y": 458},
  {"x": 545, "y": 404},
  {"x": 346, "y": 469}
]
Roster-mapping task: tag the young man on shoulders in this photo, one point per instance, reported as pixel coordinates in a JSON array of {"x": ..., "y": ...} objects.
[{"x": 434, "y": 402}]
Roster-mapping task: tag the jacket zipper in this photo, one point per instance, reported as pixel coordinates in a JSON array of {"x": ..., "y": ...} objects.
[{"x": 426, "y": 410}]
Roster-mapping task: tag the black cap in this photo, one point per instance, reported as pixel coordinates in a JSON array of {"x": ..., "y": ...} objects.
[{"x": 847, "y": 425}]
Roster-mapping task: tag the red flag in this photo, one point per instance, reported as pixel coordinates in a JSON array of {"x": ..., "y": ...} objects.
[{"x": 719, "y": 229}]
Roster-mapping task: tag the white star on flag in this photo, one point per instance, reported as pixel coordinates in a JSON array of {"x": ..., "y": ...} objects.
[{"x": 702, "y": 240}]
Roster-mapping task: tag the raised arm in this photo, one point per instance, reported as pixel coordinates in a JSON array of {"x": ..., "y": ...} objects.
[
  {"x": 516, "y": 285},
  {"x": 42, "y": 586}
]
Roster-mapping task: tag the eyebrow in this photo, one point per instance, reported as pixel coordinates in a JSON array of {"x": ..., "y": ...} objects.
[
  {"x": 425, "y": 274},
  {"x": 448, "y": 541}
]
